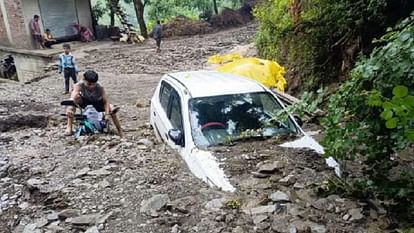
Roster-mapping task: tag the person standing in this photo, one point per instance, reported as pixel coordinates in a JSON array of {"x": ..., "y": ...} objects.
[
  {"x": 157, "y": 35},
  {"x": 35, "y": 31},
  {"x": 67, "y": 65}
]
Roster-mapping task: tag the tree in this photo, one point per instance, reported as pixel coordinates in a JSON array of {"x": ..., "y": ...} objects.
[
  {"x": 112, "y": 12},
  {"x": 139, "y": 10},
  {"x": 215, "y": 6}
]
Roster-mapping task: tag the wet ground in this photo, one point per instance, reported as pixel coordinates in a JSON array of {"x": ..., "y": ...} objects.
[{"x": 53, "y": 183}]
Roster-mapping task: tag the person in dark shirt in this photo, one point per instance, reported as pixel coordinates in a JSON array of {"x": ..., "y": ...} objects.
[
  {"x": 157, "y": 35},
  {"x": 90, "y": 92}
]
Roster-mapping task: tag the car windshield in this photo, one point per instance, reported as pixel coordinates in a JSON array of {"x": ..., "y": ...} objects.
[{"x": 222, "y": 119}]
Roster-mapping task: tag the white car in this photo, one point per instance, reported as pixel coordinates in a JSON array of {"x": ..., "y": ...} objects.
[{"x": 193, "y": 111}]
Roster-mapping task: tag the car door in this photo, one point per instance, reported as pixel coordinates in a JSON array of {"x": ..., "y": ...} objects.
[
  {"x": 174, "y": 113},
  {"x": 160, "y": 109}
]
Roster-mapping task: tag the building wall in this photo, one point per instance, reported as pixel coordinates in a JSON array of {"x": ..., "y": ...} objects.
[
  {"x": 14, "y": 9},
  {"x": 31, "y": 8},
  {"x": 4, "y": 40},
  {"x": 84, "y": 13}
]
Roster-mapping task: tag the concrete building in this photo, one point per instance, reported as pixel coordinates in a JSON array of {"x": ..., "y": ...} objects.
[{"x": 56, "y": 15}]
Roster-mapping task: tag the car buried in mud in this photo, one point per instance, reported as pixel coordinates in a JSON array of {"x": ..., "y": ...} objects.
[{"x": 195, "y": 111}]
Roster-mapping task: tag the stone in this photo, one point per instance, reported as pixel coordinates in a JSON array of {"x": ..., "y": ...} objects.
[
  {"x": 175, "y": 229},
  {"x": 259, "y": 218},
  {"x": 154, "y": 204},
  {"x": 89, "y": 219},
  {"x": 41, "y": 222},
  {"x": 305, "y": 226},
  {"x": 30, "y": 228},
  {"x": 146, "y": 142},
  {"x": 279, "y": 197},
  {"x": 34, "y": 183},
  {"x": 237, "y": 229},
  {"x": 355, "y": 214},
  {"x": 24, "y": 205},
  {"x": 288, "y": 180},
  {"x": 299, "y": 185},
  {"x": 346, "y": 217},
  {"x": 53, "y": 216},
  {"x": 99, "y": 172},
  {"x": 104, "y": 184},
  {"x": 320, "y": 204},
  {"x": 93, "y": 229},
  {"x": 82, "y": 172},
  {"x": 263, "y": 209},
  {"x": 215, "y": 204},
  {"x": 5, "y": 197},
  {"x": 69, "y": 213},
  {"x": 268, "y": 167},
  {"x": 260, "y": 175},
  {"x": 103, "y": 219}
]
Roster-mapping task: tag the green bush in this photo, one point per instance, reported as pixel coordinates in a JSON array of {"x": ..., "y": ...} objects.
[
  {"x": 322, "y": 44},
  {"x": 371, "y": 117}
]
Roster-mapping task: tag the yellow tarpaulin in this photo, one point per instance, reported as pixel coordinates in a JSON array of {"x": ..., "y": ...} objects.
[{"x": 269, "y": 73}]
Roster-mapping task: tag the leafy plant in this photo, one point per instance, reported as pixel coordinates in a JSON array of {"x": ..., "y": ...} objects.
[{"x": 371, "y": 117}]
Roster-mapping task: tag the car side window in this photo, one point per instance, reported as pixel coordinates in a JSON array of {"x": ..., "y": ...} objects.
[
  {"x": 174, "y": 113},
  {"x": 165, "y": 92}
]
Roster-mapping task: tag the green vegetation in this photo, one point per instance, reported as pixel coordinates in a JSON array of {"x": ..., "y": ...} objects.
[
  {"x": 318, "y": 40},
  {"x": 164, "y": 10},
  {"x": 370, "y": 118}
]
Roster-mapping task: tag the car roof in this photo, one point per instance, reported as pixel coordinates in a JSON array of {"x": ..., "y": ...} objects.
[{"x": 213, "y": 83}]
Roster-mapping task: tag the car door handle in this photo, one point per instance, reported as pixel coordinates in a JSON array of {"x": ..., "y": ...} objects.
[{"x": 154, "y": 113}]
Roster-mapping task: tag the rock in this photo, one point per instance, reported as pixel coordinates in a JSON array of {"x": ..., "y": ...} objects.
[
  {"x": 259, "y": 218},
  {"x": 5, "y": 197},
  {"x": 34, "y": 183},
  {"x": 238, "y": 229},
  {"x": 53, "y": 216},
  {"x": 154, "y": 204},
  {"x": 263, "y": 209},
  {"x": 104, "y": 184},
  {"x": 279, "y": 197},
  {"x": 30, "y": 228},
  {"x": 93, "y": 229},
  {"x": 146, "y": 142},
  {"x": 355, "y": 214},
  {"x": 69, "y": 213},
  {"x": 215, "y": 204},
  {"x": 82, "y": 172},
  {"x": 103, "y": 219},
  {"x": 320, "y": 204},
  {"x": 288, "y": 180},
  {"x": 89, "y": 219},
  {"x": 99, "y": 172},
  {"x": 302, "y": 226},
  {"x": 260, "y": 175},
  {"x": 269, "y": 167},
  {"x": 175, "y": 229},
  {"x": 299, "y": 185},
  {"x": 41, "y": 222},
  {"x": 24, "y": 205},
  {"x": 346, "y": 217}
]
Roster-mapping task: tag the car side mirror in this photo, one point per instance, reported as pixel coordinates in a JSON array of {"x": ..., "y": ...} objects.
[
  {"x": 176, "y": 136},
  {"x": 298, "y": 120}
]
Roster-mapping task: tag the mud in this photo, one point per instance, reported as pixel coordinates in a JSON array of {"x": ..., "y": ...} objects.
[{"x": 43, "y": 173}]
